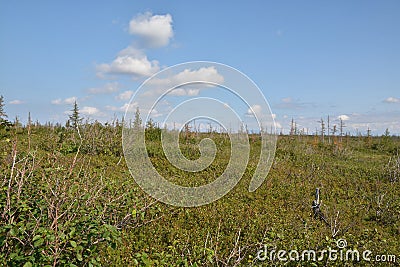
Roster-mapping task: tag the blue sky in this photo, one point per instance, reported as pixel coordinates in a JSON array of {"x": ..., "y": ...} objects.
[{"x": 310, "y": 58}]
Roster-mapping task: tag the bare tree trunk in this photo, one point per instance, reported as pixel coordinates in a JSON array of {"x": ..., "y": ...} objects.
[
  {"x": 322, "y": 130},
  {"x": 329, "y": 138}
]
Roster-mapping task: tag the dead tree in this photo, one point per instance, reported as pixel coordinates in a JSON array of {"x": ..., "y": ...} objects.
[
  {"x": 316, "y": 208},
  {"x": 329, "y": 138},
  {"x": 341, "y": 126},
  {"x": 322, "y": 130},
  {"x": 292, "y": 128}
]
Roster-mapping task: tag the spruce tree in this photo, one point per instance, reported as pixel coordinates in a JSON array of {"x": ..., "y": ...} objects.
[
  {"x": 137, "y": 122},
  {"x": 75, "y": 118}
]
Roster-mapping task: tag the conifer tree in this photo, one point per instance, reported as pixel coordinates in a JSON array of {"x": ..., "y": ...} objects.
[
  {"x": 137, "y": 122},
  {"x": 75, "y": 118}
]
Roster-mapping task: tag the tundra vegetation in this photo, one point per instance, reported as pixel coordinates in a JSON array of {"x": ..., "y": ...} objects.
[{"x": 67, "y": 199}]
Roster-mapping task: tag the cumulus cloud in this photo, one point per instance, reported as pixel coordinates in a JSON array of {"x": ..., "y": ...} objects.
[
  {"x": 124, "y": 95},
  {"x": 392, "y": 100},
  {"x": 209, "y": 74},
  {"x": 113, "y": 108},
  {"x": 90, "y": 111},
  {"x": 128, "y": 107},
  {"x": 57, "y": 101},
  {"x": 255, "y": 109},
  {"x": 70, "y": 100},
  {"x": 16, "y": 102},
  {"x": 106, "y": 89},
  {"x": 125, "y": 107},
  {"x": 154, "y": 113},
  {"x": 343, "y": 117},
  {"x": 67, "y": 101},
  {"x": 130, "y": 61},
  {"x": 154, "y": 30},
  {"x": 185, "y": 92},
  {"x": 206, "y": 74}
]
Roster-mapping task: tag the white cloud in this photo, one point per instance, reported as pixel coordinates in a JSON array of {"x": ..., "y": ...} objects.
[
  {"x": 131, "y": 107},
  {"x": 155, "y": 31},
  {"x": 184, "y": 92},
  {"x": 391, "y": 100},
  {"x": 209, "y": 74},
  {"x": 154, "y": 113},
  {"x": 130, "y": 61},
  {"x": 343, "y": 117},
  {"x": 67, "y": 101},
  {"x": 106, "y": 89},
  {"x": 255, "y": 109},
  {"x": 112, "y": 108},
  {"x": 377, "y": 122},
  {"x": 70, "y": 100},
  {"x": 90, "y": 111},
  {"x": 57, "y": 101},
  {"x": 16, "y": 102},
  {"x": 124, "y": 95}
]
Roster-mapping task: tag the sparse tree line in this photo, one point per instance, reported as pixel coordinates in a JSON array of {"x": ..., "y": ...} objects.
[
  {"x": 79, "y": 134},
  {"x": 328, "y": 132}
]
